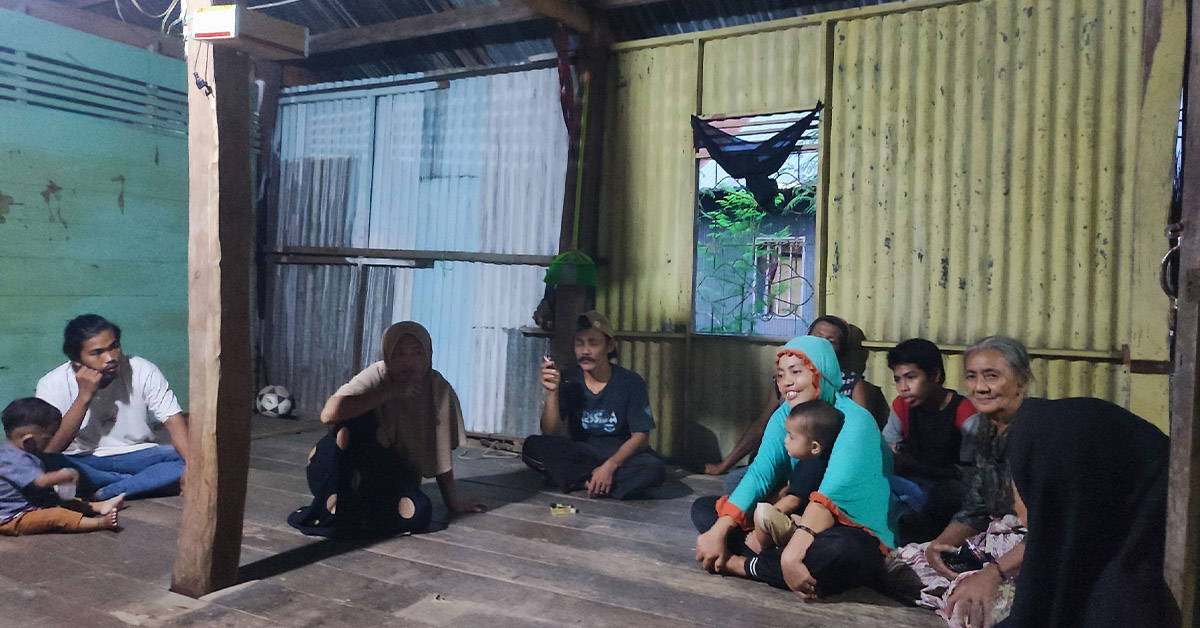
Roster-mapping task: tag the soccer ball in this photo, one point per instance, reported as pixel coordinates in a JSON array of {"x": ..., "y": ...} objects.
[{"x": 274, "y": 401}]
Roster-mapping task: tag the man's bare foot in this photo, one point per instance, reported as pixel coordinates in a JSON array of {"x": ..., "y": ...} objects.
[
  {"x": 715, "y": 468},
  {"x": 109, "y": 505}
]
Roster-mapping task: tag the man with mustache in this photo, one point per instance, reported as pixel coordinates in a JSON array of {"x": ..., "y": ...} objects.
[
  {"x": 106, "y": 398},
  {"x": 596, "y": 421}
]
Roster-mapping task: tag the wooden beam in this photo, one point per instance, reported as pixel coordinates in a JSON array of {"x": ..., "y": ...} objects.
[
  {"x": 219, "y": 242},
  {"x": 88, "y": 22},
  {"x": 566, "y": 12},
  {"x": 583, "y": 189},
  {"x": 454, "y": 20},
  {"x": 1183, "y": 497},
  {"x": 400, "y": 254}
]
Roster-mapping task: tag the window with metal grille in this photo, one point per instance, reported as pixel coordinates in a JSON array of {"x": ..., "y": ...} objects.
[{"x": 753, "y": 274}]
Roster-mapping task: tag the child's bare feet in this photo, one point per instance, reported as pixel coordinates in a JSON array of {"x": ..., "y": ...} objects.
[
  {"x": 109, "y": 505},
  {"x": 758, "y": 540},
  {"x": 735, "y": 566},
  {"x": 100, "y": 522},
  {"x": 108, "y": 521}
]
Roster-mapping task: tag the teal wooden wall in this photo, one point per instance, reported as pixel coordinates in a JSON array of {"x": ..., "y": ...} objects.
[{"x": 93, "y": 216}]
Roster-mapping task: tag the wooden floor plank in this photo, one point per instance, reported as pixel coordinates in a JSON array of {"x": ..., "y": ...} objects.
[
  {"x": 613, "y": 564},
  {"x": 506, "y": 599}
]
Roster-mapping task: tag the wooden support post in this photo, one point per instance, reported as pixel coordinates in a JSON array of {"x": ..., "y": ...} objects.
[
  {"x": 219, "y": 243},
  {"x": 571, "y": 301},
  {"x": 1183, "y": 505}
]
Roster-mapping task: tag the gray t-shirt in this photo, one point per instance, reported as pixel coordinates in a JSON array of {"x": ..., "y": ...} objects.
[{"x": 18, "y": 470}]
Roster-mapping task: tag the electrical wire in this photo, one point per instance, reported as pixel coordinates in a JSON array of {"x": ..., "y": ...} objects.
[
  {"x": 166, "y": 12},
  {"x": 272, "y": 4}
]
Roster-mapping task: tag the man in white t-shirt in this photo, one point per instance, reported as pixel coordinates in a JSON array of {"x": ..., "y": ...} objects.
[{"x": 108, "y": 400}]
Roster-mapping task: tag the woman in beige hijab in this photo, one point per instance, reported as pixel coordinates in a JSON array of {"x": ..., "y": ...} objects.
[{"x": 395, "y": 422}]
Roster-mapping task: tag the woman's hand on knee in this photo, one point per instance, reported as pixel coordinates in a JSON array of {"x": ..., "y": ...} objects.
[
  {"x": 796, "y": 574},
  {"x": 711, "y": 550}
]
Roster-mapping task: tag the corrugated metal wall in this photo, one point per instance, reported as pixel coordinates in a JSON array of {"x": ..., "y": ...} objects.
[
  {"x": 769, "y": 72},
  {"x": 477, "y": 165},
  {"x": 471, "y": 167},
  {"x": 325, "y": 172},
  {"x": 310, "y": 334},
  {"x": 982, "y": 172},
  {"x": 646, "y": 219},
  {"x": 981, "y": 180}
]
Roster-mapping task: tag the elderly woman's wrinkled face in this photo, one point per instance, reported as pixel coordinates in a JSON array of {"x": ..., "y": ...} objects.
[
  {"x": 408, "y": 360},
  {"x": 994, "y": 386}
]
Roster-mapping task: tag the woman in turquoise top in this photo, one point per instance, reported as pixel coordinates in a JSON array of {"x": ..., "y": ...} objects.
[{"x": 844, "y": 533}]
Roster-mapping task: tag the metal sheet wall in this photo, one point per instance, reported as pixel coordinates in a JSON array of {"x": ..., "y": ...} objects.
[
  {"x": 309, "y": 344},
  {"x": 981, "y": 173},
  {"x": 648, "y": 196},
  {"x": 478, "y": 166},
  {"x": 981, "y": 161},
  {"x": 325, "y": 173},
  {"x": 764, "y": 72},
  {"x": 646, "y": 218}
]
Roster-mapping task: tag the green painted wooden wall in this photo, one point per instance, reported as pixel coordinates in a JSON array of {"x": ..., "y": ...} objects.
[{"x": 93, "y": 215}]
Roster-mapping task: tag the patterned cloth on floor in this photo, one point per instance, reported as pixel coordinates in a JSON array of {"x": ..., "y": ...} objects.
[{"x": 1001, "y": 536}]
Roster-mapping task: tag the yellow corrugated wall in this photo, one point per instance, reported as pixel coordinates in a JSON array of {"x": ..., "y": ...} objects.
[
  {"x": 764, "y": 72},
  {"x": 982, "y": 179},
  {"x": 646, "y": 219},
  {"x": 977, "y": 184}
]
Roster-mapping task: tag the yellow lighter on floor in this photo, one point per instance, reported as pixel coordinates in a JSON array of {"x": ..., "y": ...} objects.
[{"x": 563, "y": 509}]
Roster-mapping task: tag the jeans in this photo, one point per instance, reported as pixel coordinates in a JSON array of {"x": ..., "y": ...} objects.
[{"x": 152, "y": 470}]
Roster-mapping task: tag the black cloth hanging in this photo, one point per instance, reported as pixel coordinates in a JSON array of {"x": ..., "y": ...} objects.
[
  {"x": 753, "y": 161},
  {"x": 1093, "y": 478}
]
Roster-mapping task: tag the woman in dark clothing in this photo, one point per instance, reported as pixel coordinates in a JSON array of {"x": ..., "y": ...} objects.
[
  {"x": 1093, "y": 479},
  {"x": 392, "y": 424}
]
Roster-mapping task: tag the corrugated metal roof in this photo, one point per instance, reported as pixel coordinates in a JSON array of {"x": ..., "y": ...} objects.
[
  {"x": 497, "y": 46},
  {"x": 689, "y": 16}
]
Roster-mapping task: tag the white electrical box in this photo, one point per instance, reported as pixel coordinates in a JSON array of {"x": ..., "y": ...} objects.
[{"x": 253, "y": 32}]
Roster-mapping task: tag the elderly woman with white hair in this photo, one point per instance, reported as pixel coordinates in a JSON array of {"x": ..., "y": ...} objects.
[{"x": 969, "y": 569}]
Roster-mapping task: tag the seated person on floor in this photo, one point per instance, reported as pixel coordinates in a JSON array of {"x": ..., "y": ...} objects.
[
  {"x": 966, "y": 573},
  {"x": 596, "y": 421},
  {"x": 926, "y": 430},
  {"x": 812, "y": 427},
  {"x": 844, "y": 531},
  {"x": 29, "y": 503},
  {"x": 854, "y": 386},
  {"x": 105, "y": 398},
  {"x": 395, "y": 422}
]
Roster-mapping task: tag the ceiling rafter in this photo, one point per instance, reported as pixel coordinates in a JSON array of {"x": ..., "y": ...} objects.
[{"x": 566, "y": 12}]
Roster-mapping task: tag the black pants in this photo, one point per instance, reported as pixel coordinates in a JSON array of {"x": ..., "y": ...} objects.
[
  {"x": 569, "y": 463},
  {"x": 359, "y": 492},
  {"x": 840, "y": 558}
]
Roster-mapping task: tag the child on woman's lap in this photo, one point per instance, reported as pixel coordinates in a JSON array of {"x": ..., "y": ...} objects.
[{"x": 812, "y": 428}]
